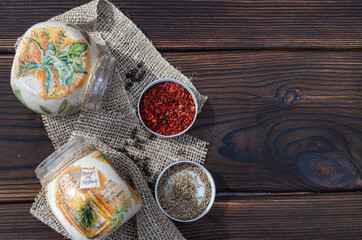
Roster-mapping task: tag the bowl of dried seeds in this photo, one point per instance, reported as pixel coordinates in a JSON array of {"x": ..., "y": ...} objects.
[{"x": 185, "y": 191}]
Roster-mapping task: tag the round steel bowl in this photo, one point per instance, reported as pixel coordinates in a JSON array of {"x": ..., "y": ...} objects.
[
  {"x": 212, "y": 184},
  {"x": 168, "y": 80}
]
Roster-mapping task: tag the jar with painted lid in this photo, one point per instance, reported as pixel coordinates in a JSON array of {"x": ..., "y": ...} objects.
[
  {"x": 85, "y": 192},
  {"x": 58, "y": 69}
]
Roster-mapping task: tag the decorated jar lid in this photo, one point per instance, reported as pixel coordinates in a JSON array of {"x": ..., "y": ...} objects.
[{"x": 58, "y": 70}]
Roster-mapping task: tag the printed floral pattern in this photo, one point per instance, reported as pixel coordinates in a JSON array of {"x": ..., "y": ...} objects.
[
  {"x": 93, "y": 212},
  {"x": 56, "y": 60}
]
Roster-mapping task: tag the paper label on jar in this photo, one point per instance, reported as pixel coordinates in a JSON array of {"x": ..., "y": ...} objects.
[{"x": 89, "y": 179}]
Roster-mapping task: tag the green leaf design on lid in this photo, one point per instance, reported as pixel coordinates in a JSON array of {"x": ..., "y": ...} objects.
[
  {"x": 17, "y": 93},
  {"x": 44, "y": 109},
  {"x": 51, "y": 51},
  {"x": 62, "y": 107},
  {"x": 26, "y": 67},
  {"x": 48, "y": 79},
  {"x": 77, "y": 49},
  {"x": 78, "y": 68},
  {"x": 59, "y": 64},
  {"x": 102, "y": 157},
  {"x": 73, "y": 108}
]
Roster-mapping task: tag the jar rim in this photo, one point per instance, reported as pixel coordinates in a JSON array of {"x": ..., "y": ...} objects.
[
  {"x": 99, "y": 83},
  {"x": 61, "y": 154}
]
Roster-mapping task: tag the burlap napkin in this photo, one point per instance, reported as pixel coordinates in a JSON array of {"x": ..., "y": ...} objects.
[
  {"x": 150, "y": 222},
  {"x": 152, "y": 155},
  {"x": 117, "y": 126},
  {"x": 116, "y": 34}
]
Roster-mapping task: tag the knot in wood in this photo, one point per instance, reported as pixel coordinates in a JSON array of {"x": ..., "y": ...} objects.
[
  {"x": 329, "y": 169},
  {"x": 290, "y": 97}
]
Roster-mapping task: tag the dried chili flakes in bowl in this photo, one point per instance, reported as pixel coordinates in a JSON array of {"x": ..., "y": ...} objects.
[{"x": 167, "y": 107}]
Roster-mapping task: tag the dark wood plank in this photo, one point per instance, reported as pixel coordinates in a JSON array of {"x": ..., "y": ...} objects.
[
  {"x": 23, "y": 142},
  {"x": 280, "y": 121},
  {"x": 211, "y": 24},
  {"x": 318, "y": 216},
  {"x": 276, "y": 121}
]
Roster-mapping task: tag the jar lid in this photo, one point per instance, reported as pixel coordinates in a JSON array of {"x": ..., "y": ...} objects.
[{"x": 51, "y": 67}]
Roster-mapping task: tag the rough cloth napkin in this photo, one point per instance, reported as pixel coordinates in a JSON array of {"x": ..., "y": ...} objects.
[{"x": 117, "y": 35}]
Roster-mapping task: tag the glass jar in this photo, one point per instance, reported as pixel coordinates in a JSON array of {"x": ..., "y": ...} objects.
[
  {"x": 85, "y": 192},
  {"x": 58, "y": 69}
]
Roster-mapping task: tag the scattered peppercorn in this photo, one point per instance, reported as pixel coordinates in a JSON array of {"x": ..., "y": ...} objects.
[
  {"x": 121, "y": 149},
  {"x": 128, "y": 75},
  {"x": 140, "y": 65},
  {"x": 166, "y": 109},
  {"x": 132, "y": 75},
  {"x": 138, "y": 146},
  {"x": 133, "y": 133},
  {"x": 141, "y": 75},
  {"x": 134, "y": 71},
  {"x": 128, "y": 86}
]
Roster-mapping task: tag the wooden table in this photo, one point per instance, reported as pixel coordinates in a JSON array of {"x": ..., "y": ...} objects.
[{"x": 283, "y": 119}]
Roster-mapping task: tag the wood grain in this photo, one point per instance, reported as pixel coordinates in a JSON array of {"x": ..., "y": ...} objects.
[
  {"x": 284, "y": 113},
  {"x": 277, "y": 121},
  {"x": 295, "y": 115},
  {"x": 213, "y": 24},
  {"x": 312, "y": 216},
  {"x": 23, "y": 142}
]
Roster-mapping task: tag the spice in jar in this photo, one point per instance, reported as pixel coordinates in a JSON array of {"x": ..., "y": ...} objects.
[
  {"x": 58, "y": 69},
  {"x": 167, "y": 108},
  {"x": 184, "y": 191},
  {"x": 84, "y": 191}
]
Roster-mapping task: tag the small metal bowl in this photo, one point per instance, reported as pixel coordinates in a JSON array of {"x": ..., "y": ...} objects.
[
  {"x": 212, "y": 184},
  {"x": 167, "y": 80}
]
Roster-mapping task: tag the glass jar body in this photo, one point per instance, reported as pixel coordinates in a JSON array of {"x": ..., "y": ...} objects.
[
  {"x": 54, "y": 66},
  {"x": 84, "y": 191}
]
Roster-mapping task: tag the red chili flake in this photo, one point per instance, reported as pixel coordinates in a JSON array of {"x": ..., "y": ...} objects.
[{"x": 167, "y": 108}]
